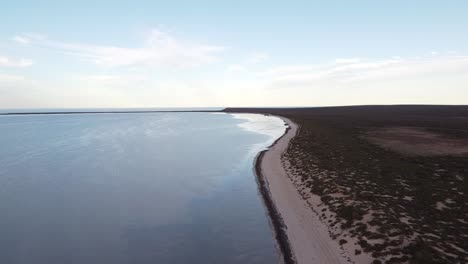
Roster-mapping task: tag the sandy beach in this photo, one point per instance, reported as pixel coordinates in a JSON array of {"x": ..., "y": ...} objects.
[
  {"x": 369, "y": 184},
  {"x": 307, "y": 237}
]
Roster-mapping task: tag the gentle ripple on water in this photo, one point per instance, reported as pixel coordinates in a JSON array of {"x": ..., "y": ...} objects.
[{"x": 133, "y": 188}]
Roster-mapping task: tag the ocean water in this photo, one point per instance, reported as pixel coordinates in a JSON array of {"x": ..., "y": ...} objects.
[{"x": 134, "y": 188}]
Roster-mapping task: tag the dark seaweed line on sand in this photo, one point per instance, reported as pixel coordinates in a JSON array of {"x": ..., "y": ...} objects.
[{"x": 275, "y": 217}]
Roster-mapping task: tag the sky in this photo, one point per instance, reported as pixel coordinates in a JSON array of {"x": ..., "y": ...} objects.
[{"x": 92, "y": 54}]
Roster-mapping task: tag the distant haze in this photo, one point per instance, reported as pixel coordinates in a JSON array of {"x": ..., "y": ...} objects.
[{"x": 244, "y": 53}]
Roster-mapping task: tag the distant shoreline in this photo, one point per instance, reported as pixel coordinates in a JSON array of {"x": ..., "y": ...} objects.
[{"x": 110, "y": 112}]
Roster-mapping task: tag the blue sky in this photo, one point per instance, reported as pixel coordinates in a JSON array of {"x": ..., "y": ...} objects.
[{"x": 232, "y": 53}]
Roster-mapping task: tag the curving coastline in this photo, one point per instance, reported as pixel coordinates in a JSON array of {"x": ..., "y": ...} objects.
[
  {"x": 378, "y": 204},
  {"x": 275, "y": 217},
  {"x": 301, "y": 236}
]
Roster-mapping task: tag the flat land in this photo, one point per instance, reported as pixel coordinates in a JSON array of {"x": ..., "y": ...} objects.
[{"x": 390, "y": 182}]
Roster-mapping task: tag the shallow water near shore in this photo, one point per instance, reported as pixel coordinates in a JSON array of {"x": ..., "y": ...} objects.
[{"x": 134, "y": 188}]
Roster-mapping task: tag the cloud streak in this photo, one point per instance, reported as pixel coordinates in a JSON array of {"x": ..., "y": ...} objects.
[
  {"x": 359, "y": 70},
  {"x": 160, "y": 49}
]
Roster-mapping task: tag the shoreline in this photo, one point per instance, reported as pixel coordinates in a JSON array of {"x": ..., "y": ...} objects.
[
  {"x": 106, "y": 112},
  {"x": 301, "y": 236},
  {"x": 380, "y": 205},
  {"x": 274, "y": 216}
]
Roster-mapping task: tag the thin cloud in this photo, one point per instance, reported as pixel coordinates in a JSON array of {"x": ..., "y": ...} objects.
[
  {"x": 347, "y": 60},
  {"x": 113, "y": 80},
  {"x": 252, "y": 59},
  {"x": 159, "y": 49},
  {"x": 354, "y": 70},
  {"x": 257, "y": 57},
  {"x": 236, "y": 68},
  {"x": 21, "y": 40},
  {"x": 289, "y": 69},
  {"x": 14, "y": 63},
  {"x": 8, "y": 78}
]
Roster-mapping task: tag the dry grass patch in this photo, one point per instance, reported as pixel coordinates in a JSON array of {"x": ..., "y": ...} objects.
[{"x": 417, "y": 141}]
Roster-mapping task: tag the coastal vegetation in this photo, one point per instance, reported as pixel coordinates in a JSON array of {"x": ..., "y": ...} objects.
[{"x": 389, "y": 181}]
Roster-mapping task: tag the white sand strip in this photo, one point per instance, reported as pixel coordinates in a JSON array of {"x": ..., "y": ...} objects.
[{"x": 308, "y": 236}]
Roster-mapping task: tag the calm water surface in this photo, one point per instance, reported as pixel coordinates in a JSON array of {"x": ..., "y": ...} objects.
[{"x": 133, "y": 188}]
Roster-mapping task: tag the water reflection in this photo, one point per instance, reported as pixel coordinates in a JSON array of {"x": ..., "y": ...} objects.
[{"x": 133, "y": 188}]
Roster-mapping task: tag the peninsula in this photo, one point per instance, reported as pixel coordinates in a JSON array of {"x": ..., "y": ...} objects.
[{"x": 370, "y": 184}]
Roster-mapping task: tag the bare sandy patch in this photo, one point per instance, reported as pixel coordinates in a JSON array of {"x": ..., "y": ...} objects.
[
  {"x": 417, "y": 141},
  {"x": 308, "y": 237}
]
